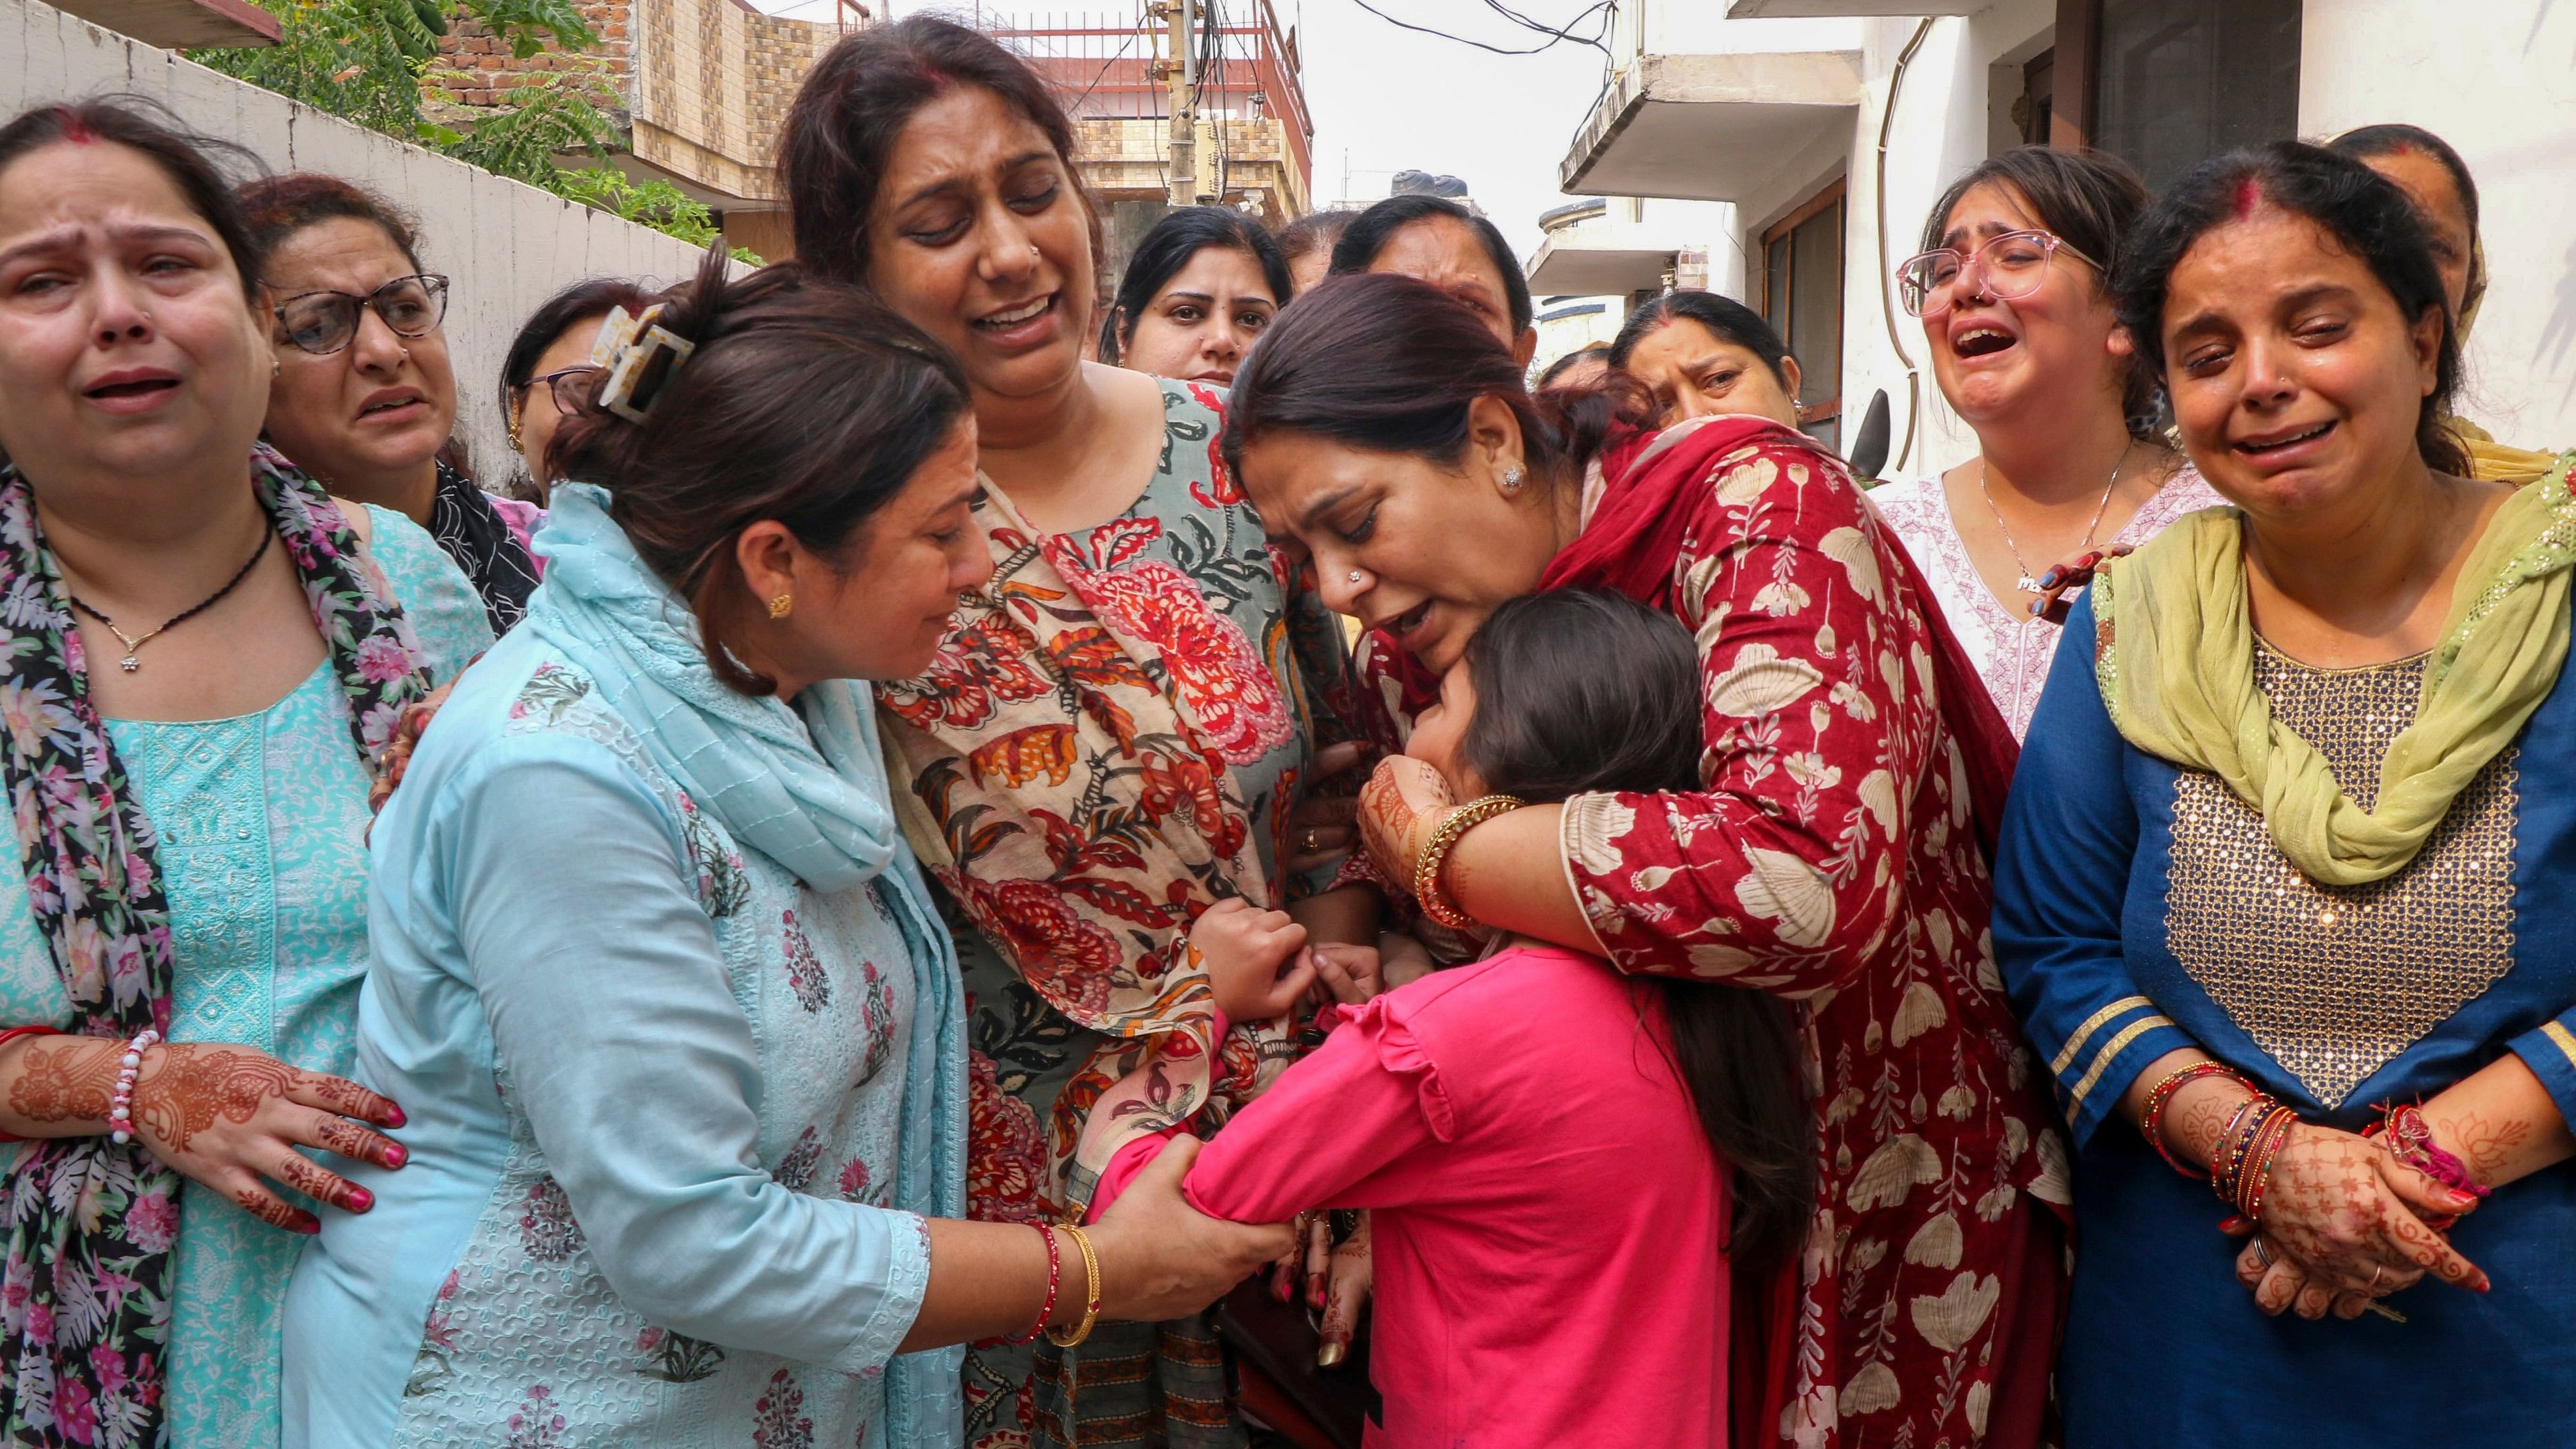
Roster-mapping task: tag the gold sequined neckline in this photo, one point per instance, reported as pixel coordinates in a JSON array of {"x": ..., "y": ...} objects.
[{"x": 2281, "y": 656}]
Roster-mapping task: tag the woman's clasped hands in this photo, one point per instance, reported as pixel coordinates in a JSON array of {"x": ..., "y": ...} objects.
[{"x": 2346, "y": 1223}]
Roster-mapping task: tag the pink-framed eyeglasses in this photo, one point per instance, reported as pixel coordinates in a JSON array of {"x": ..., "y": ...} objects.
[{"x": 2009, "y": 267}]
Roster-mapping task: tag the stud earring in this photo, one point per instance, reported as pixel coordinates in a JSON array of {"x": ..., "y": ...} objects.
[
  {"x": 1512, "y": 479},
  {"x": 779, "y": 606}
]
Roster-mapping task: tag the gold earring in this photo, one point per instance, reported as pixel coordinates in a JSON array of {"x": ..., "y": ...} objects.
[{"x": 779, "y": 606}]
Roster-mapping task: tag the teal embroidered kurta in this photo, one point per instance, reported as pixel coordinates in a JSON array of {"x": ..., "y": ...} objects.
[{"x": 263, "y": 821}]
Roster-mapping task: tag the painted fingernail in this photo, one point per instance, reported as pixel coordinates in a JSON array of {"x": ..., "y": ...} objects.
[
  {"x": 1330, "y": 1354},
  {"x": 307, "y": 1224},
  {"x": 394, "y": 1115},
  {"x": 360, "y": 1200},
  {"x": 2233, "y": 1223},
  {"x": 396, "y": 1155}
]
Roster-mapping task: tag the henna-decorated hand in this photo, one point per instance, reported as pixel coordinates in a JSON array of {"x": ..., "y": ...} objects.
[
  {"x": 1352, "y": 1277},
  {"x": 2346, "y": 1217},
  {"x": 1400, "y": 808},
  {"x": 1162, "y": 1258},
  {"x": 1321, "y": 827},
  {"x": 228, "y": 1116}
]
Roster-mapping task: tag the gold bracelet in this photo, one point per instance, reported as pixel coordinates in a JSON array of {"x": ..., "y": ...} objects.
[
  {"x": 1091, "y": 1291},
  {"x": 1435, "y": 857}
]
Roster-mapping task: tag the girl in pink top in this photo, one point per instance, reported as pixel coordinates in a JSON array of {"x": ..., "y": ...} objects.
[{"x": 1559, "y": 1161}]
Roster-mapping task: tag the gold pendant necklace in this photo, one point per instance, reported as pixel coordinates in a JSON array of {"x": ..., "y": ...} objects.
[{"x": 134, "y": 643}]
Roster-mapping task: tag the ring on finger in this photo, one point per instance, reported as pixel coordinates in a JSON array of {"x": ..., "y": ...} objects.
[
  {"x": 2376, "y": 1269},
  {"x": 2262, "y": 1252}
]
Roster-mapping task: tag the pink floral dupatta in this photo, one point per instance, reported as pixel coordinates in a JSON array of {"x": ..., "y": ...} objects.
[{"x": 1068, "y": 755}]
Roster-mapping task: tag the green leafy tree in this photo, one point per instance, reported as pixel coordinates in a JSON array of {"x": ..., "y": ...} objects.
[{"x": 366, "y": 61}]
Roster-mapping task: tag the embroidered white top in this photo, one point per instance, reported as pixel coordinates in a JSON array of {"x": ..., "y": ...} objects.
[{"x": 2011, "y": 650}]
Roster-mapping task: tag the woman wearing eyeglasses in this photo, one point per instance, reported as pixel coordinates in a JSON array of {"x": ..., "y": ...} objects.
[
  {"x": 2016, "y": 309},
  {"x": 365, "y": 397},
  {"x": 547, "y": 372}
]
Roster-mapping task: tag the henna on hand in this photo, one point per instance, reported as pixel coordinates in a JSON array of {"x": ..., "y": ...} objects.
[
  {"x": 74, "y": 1081},
  {"x": 339, "y": 1094},
  {"x": 302, "y": 1174},
  {"x": 347, "y": 1138},
  {"x": 2329, "y": 1206},
  {"x": 273, "y": 1211},
  {"x": 1399, "y": 808},
  {"x": 193, "y": 1087}
]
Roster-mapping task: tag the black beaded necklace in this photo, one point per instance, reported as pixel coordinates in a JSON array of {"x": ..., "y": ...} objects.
[{"x": 133, "y": 643}]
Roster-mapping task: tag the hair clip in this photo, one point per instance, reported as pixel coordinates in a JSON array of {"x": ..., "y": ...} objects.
[{"x": 630, "y": 347}]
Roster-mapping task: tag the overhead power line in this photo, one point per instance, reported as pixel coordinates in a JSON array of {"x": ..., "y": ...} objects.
[{"x": 1556, "y": 35}]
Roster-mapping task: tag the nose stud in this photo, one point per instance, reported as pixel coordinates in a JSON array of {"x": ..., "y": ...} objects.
[{"x": 1353, "y": 576}]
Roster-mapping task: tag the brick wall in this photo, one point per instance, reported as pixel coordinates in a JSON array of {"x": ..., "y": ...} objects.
[{"x": 476, "y": 69}]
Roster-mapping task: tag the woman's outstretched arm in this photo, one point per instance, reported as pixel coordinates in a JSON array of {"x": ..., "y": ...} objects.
[{"x": 1784, "y": 872}]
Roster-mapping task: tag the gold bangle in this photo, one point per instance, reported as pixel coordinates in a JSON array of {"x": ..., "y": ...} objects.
[
  {"x": 1091, "y": 1291},
  {"x": 1435, "y": 857}
]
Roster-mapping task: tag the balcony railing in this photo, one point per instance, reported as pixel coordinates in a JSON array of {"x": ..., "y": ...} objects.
[{"x": 1107, "y": 71}]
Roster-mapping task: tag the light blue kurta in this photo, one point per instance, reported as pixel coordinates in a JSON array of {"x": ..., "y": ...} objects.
[
  {"x": 262, "y": 821},
  {"x": 675, "y": 1114}
]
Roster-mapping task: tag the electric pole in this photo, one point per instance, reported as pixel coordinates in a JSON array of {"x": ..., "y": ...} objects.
[{"x": 1180, "y": 77}]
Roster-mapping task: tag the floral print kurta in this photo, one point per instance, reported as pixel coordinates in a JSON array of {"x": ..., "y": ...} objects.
[
  {"x": 1110, "y": 739},
  {"x": 1833, "y": 858}
]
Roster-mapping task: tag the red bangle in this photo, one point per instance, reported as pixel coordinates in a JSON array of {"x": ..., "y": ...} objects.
[
  {"x": 1046, "y": 1310},
  {"x": 12, "y": 1034},
  {"x": 2161, "y": 1096}
]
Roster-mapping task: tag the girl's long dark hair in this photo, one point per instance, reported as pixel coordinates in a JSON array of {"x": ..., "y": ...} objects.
[{"x": 1579, "y": 691}]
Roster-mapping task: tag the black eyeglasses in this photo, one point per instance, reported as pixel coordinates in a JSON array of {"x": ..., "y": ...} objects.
[
  {"x": 323, "y": 322},
  {"x": 570, "y": 387}
]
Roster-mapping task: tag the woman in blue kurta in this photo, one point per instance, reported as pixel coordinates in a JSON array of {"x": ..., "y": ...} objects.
[
  {"x": 188, "y": 852},
  {"x": 2289, "y": 848},
  {"x": 679, "y": 1032}
]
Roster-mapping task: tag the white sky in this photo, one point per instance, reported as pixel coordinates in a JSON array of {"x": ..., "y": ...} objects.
[{"x": 1385, "y": 99}]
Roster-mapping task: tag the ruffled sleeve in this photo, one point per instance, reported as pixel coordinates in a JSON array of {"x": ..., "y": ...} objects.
[{"x": 1359, "y": 1124}]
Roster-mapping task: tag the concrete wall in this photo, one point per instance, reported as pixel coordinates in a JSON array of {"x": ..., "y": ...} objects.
[
  {"x": 2503, "y": 92},
  {"x": 1944, "y": 124},
  {"x": 505, "y": 247}
]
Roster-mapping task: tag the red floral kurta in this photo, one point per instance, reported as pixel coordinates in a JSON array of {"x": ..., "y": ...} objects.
[{"x": 1833, "y": 859}]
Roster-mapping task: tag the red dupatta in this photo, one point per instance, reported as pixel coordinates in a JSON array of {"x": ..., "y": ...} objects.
[{"x": 1634, "y": 537}]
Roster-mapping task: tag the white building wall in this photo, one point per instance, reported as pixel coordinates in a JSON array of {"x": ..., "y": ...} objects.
[
  {"x": 2493, "y": 80},
  {"x": 1945, "y": 122},
  {"x": 505, "y": 247}
]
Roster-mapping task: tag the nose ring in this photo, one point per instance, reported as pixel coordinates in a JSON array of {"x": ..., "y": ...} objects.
[
  {"x": 1353, "y": 576},
  {"x": 1034, "y": 251}
]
